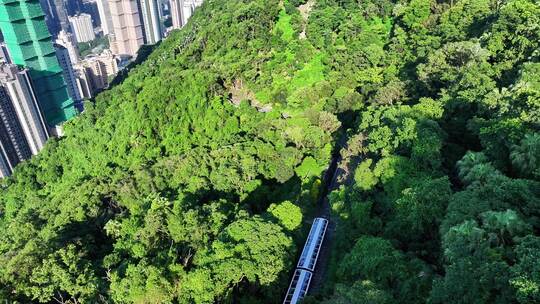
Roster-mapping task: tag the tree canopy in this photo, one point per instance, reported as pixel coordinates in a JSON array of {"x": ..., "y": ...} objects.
[{"x": 194, "y": 180}]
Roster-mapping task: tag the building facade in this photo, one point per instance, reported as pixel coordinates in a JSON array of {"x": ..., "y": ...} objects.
[
  {"x": 13, "y": 146},
  {"x": 68, "y": 41},
  {"x": 23, "y": 131},
  {"x": 50, "y": 16},
  {"x": 74, "y": 7},
  {"x": 19, "y": 87},
  {"x": 176, "y": 13},
  {"x": 90, "y": 7},
  {"x": 181, "y": 11},
  {"x": 127, "y": 37},
  {"x": 63, "y": 56},
  {"x": 82, "y": 27},
  {"x": 56, "y": 15},
  {"x": 61, "y": 12},
  {"x": 94, "y": 72},
  {"x": 105, "y": 16},
  {"x": 153, "y": 28},
  {"x": 84, "y": 84},
  {"x": 29, "y": 42}
]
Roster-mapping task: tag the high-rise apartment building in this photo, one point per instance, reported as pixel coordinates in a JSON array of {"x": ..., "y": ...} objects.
[
  {"x": 153, "y": 28},
  {"x": 176, "y": 13},
  {"x": 94, "y": 73},
  {"x": 29, "y": 42},
  {"x": 163, "y": 6},
  {"x": 83, "y": 82},
  {"x": 13, "y": 146},
  {"x": 50, "y": 16},
  {"x": 181, "y": 11},
  {"x": 68, "y": 41},
  {"x": 109, "y": 62},
  {"x": 63, "y": 56},
  {"x": 61, "y": 12},
  {"x": 18, "y": 86},
  {"x": 127, "y": 37},
  {"x": 82, "y": 27},
  {"x": 105, "y": 16},
  {"x": 23, "y": 131}
]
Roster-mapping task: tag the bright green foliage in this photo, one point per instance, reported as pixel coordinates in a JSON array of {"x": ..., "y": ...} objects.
[
  {"x": 288, "y": 215},
  {"x": 464, "y": 19},
  {"x": 477, "y": 258},
  {"x": 308, "y": 168},
  {"x": 476, "y": 270},
  {"x": 419, "y": 211},
  {"x": 376, "y": 260},
  {"x": 284, "y": 26},
  {"x": 364, "y": 177},
  {"x": 515, "y": 35},
  {"x": 247, "y": 251},
  {"x": 141, "y": 284},
  {"x": 468, "y": 162}
]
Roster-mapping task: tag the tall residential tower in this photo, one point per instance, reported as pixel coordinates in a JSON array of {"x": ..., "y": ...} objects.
[
  {"x": 82, "y": 27},
  {"x": 105, "y": 16},
  {"x": 23, "y": 131},
  {"x": 65, "y": 61},
  {"x": 181, "y": 11},
  {"x": 29, "y": 42},
  {"x": 68, "y": 41},
  {"x": 153, "y": 29},
  {"x": 57, "y": 18},
  {"x": 127, "y": 37}
]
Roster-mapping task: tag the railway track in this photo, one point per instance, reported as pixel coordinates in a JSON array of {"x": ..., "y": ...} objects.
[
  {"x": 311, "y": 279},
  {"x": 331, "y": 182}
]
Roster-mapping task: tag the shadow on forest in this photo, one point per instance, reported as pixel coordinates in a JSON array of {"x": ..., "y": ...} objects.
[{"x": 142, "y": 55}]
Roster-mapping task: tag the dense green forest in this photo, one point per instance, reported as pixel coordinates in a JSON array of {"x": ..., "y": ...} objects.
[{"x": 195, "y": 179}]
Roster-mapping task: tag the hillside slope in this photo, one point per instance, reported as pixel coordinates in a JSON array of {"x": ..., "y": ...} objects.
[
  {"x": 167, "y": 190},
  {"x": 194, "y": 180}
]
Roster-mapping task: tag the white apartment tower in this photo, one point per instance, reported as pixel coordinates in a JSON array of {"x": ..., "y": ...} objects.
[
  {"x": 64, "y": 59},
  {"x": 127, "y": 36},
  {"x": 68, "y": 41},
  {"x": 82, "y": 27},
  {"x": 181, "y": 11},
  {"x": 83, "y": 82},
  {"x": 175, "y": 9},
  {"x": 153, "y": 29}
]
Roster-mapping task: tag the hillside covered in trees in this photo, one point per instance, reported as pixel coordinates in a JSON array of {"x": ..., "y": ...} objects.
[{"x": 195, "y": 179}]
